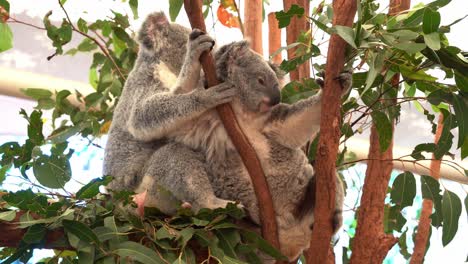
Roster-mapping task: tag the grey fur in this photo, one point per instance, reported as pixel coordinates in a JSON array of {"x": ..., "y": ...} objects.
[{"x": 170, "y": 141}]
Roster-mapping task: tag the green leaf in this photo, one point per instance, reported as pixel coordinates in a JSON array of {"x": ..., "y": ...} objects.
[
  {"x": 284, "y": 18},
  {"x": 347, "y": 34},
  {"x": 384, "y": 128},
  {"x": 5, "y": 5},
  {"x": 3, "y": 171},
  {"x": 34, "y": 234},
  {"x": 87, "y": 45},
  {"x": 451, "y": 209},
  {"x": 137, "y": 252},
  {"x": 405, "y": 34},
  {"x": 185, "y": 235},
  {"x": 6, "y": 37},
  {"x": 7, "y": 215},
  {"x": 82, "y": 231},
  {"x": 174, "y": 8},
  {"x": 432, "y": 40},
  {"x": 376, "y": 62},
  {"x": 462, "y": 81},
  {"x": 91, "y": 189},
  {"x": 430, "y": 189},
  {"x": 466, "y": 205},
  {"x": 228, "y": 239},
  {"x": 82, "y": 25},
  {"x": 262, "y": 244},
  {"x": 403, "y": 189},
  {"x": 134, "y": 6},
  {"x": 461, "y": 115},
  {"x": 410, "y": 46},
  {"x": 413, "y": 74},
  {"x": 431, "y": 21},
  {"x": 37, "y": 93},
  {"x": 53, "y": 171}
]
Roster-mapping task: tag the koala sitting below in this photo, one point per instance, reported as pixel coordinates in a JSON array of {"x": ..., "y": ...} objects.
[{"x": 181, "y": 152}]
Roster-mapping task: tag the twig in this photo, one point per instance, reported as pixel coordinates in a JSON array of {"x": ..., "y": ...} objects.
[{"x": 103, "y": 48}]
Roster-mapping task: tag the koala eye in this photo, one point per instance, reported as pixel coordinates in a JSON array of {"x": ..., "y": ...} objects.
[{"x": 261, "y": 81}]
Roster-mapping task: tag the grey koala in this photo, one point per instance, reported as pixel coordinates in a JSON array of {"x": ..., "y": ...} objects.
[
  {"x": 150, "y": 106},
  {"x": 168, "y": 140}
]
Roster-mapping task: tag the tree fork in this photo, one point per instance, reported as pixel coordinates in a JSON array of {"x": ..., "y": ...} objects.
[
  {"x": 240, "y": 141},
  {"x": 424, "y": 226},
  {"x": 344, "y": 11}
]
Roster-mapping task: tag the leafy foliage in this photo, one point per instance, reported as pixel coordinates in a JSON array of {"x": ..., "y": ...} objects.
[{"x": 100, "y": 229}]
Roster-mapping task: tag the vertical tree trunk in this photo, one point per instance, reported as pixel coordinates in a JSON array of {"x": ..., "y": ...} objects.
[
  {"x": 253, "y": 24},
  {"x": 424, "y": 226},
  {"x": 246, "y": 151},
  {"x": 297, "y": 26},
  {"x": 371, "y": 244},
  {"x": 329, "y": 138},
  {"x": 274, "y": 38}
]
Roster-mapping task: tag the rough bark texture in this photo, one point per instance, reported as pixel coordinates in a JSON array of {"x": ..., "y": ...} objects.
[
  {"x": 253, "y": 24},
  {"x": 274, "y": 38},
  {"x": 329, "y": 138},
  {"x": 246, "y": 151},
  {"x": 424, "y": 225},
  {"x": 371, "y": 244},
  {"x": 297, "y": 26}
]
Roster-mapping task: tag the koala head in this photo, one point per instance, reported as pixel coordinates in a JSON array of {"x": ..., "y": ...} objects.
[
  {"x": 256, "y": 79},
  {"x": 158, "y": 35}
]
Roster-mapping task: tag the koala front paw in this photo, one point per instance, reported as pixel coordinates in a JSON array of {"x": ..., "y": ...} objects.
[
  {"x": 199, "y": 42},
  {"x": 219, "y": 94},
  {"x": 345, "y": 78}
]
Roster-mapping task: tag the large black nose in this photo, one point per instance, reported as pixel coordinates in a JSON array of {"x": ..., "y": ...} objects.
[{"x": 275, "y": 96}]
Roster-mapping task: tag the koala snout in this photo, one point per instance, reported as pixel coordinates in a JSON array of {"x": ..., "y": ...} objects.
[{"x": 273, "y": 98}]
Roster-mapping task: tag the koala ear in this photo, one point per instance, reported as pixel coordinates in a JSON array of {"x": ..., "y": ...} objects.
[
  {"x": 239, "y": 49},
  {"x": 153, "y": 25},
  {"x": 279, "y": 73}
]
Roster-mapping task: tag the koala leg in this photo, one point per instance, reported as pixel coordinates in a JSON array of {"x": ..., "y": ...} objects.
[{"x": 175, "y": 174}]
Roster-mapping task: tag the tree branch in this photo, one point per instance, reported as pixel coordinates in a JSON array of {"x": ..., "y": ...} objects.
[
  {"x": 424, "y": 226},
  {"x": 344, "y": 12},
  {"x": 246, "y": 151}
]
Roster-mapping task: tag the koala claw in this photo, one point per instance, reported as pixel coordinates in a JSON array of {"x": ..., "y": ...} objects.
[
  {"x": 196, "y": 33},
  {"x": 345, "y": 78}
]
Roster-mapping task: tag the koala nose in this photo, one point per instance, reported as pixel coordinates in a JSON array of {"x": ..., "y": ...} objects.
[{"x": 275, "y": 98}]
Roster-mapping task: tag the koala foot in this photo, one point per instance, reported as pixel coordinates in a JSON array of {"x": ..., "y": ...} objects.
[
  {"x": 140, "y": 199},
  {"x": 199, "y": 42},
  {"x": 345, "y": 78}
]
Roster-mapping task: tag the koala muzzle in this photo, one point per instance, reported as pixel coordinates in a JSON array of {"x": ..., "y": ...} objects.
[{"x": 274, "y": 97}]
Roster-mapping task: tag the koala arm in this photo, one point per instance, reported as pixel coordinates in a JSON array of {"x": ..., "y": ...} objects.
[
  {"x": 161, "y": 113},
  {"x": 293, "y": 125}
]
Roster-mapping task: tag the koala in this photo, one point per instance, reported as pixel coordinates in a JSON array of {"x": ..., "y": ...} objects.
[
  {"x": 150, "y": 106},
  {"x": 167, "y": 139},
  {"x": 277, "y": 132}
]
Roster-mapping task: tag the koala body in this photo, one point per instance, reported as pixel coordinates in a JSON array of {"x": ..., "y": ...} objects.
[{"x": 167, "y": 139}]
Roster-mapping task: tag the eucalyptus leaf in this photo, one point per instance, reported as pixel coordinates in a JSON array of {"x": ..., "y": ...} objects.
[
  {"x": 347, "y": 34},
  {"x": 451, "y": 209},
  {"x": 384, "y": 128},
  {"x": 403, "y": 189},
  {"x": 431, "y": 21},
  {"x": 174, "y": 8},
  {"x": 52, "y": 171},
  {"x": 134, "y": 251},
  {"x": 82, "y": 231},
  {"x": 432, "y": 40},
  {"x": 6, "y": 37}
]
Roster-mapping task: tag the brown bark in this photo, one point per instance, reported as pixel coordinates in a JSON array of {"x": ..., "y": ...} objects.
[
  {"x": 294, "y": 29},
  {"x": 274, "y": 38},
  {"x": 329, "y": 138},
  {"x": 253, "y": 24},
  {"x": 371, "y": 244},
  {"x": 246, "y": 151},
  {"x": 424, "y": 225}
]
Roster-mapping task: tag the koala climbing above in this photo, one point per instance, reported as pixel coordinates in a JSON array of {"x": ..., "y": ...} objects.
[
  {"x": 276, "y": 131},
  {"x": 149, "y": 107}
]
